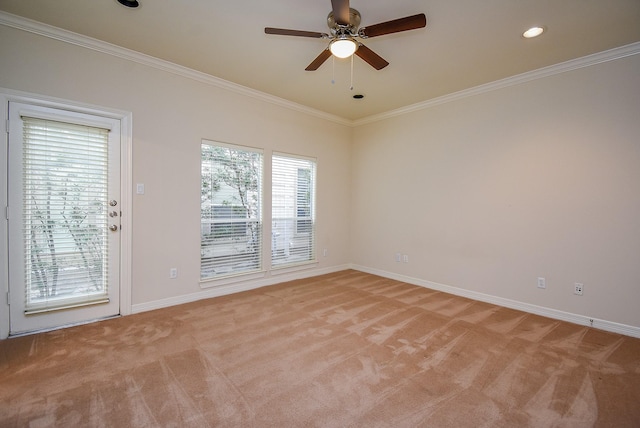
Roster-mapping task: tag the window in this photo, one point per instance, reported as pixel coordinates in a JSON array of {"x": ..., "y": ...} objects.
[
  {"x": 293, "y": 198},
  {"x": 230, "y": 210},
  {"x": 64, "y": 176}
]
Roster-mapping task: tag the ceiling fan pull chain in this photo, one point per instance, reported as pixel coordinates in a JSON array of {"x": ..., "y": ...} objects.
[
  {"x": 333, "y": 70},
  {"x": 351, "y": 88}
]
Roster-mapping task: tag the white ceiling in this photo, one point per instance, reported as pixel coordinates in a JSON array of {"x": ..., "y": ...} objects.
[{"x": 466, "y": 42}]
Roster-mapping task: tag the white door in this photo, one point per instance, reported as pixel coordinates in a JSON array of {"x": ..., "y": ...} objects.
[{"x": 64, "y": 217}]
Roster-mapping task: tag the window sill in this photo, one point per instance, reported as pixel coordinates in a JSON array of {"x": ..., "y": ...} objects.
[
  {"x": 231, "y": 279},
  {"x": 293, "y": 268},
  {"x": 244, "y": 277}
]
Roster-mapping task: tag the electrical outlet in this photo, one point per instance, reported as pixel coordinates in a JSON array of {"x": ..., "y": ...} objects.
[
  {"x": 325, "y": 252},
  {"x": 577, "y": 289},
  {"x": 173, "y": 273},
  {"x": 398, "y": 257},
  {"x": 542, "y": 283},
  {"x": 405, "y": 258}
]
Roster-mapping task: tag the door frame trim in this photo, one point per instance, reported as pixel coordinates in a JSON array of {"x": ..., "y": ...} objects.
[{"x": 126, "y": 197}]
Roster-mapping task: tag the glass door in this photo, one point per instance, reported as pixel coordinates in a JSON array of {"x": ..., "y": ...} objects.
[{"x": 64, "y": 228}]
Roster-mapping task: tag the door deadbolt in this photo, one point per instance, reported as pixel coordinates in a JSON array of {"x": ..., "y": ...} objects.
[
  {"x": 113, "y": 227},
  {"x": 113, "y": 202},
  {"x": 113, "y": 214}
]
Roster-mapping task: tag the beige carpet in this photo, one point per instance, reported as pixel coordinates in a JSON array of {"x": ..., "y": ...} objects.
[{"x": 342, "y": 350}]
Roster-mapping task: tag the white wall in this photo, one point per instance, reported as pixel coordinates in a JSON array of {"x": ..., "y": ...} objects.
[
  {"x": 489, "y": 192},
  {"x": 485, "y": 193},
  {"x": 171, "y": 115}
]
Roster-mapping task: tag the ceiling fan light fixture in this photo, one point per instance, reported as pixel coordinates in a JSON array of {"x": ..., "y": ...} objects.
[{"x": 343, "y": 48}]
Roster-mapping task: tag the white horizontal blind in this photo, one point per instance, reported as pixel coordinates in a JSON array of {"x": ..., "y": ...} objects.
[
  {"x": 65, "y": 175},
  {"x": 230, "y": 220},
  {"x": 293, "y": 210}
]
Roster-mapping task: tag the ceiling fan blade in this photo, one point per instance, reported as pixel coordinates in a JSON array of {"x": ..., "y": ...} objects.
[
  {"x": 395, "y": 26},
  {"x": 341, "y": 11},
  {"x": 316, "y": 63},
  {"x": 374, "y": 60},
  {"x": 285, "y": 32}
]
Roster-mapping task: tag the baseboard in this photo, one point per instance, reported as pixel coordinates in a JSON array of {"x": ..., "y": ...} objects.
[
  {"x": 235, "y": 287},
  {"x": 610, "y": 326},
  {"x": 238, "y": 287}
]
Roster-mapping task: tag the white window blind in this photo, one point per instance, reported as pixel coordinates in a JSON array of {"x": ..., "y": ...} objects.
[
  {"x": 293, "y": 210},
  {"x": 230, "y": 220},
  {"x": 65, "y": 175}
]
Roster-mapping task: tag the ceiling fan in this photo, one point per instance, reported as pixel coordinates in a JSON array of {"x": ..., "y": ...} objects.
[{"x": 343, "y": 23}]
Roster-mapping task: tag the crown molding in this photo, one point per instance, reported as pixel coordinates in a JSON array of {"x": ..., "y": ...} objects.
[
  {"x": 52, "y": 32},
  {"x": 563, "y": 67},
  {"x": 45, "y": 30}
]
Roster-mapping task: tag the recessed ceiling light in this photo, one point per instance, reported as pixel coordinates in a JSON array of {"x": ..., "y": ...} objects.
[
  {"x": 358, "y": 96},
  {"x": 129, "y": 3},
  {"x": 533, "y": 32}
]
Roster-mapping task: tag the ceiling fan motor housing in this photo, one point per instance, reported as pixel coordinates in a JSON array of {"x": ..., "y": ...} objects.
[{"x": 351, "y": 29}]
